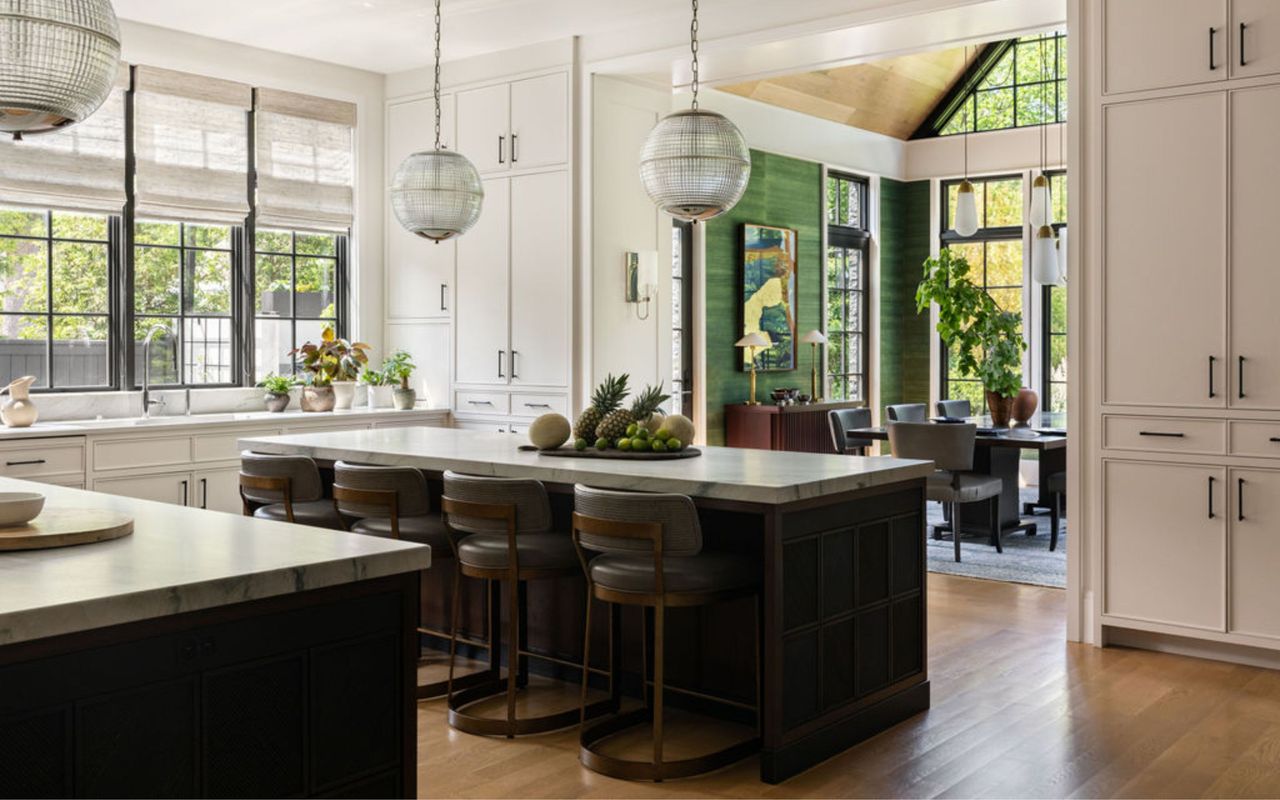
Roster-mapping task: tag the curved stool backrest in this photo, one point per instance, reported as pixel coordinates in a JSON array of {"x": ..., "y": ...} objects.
[
  {"x": 681, "y": 531},
  {"x": 405, "y": 485},
  {"x": 298, "y": 473},
  {"x": 527, "y": 497}
]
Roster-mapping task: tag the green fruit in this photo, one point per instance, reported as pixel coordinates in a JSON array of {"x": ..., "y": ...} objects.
[
  {"x": 675, "y": 445},
  {"x": 632, "y": 428},
  {"x": 659, "y": 446},
  {"x": 580, "y": 444},
  {"x": 662, "y": 435},
  {"x": 642, "y": 434},
  {"x": 602, "y": 443},
  {"x": 624, "y": 444}
]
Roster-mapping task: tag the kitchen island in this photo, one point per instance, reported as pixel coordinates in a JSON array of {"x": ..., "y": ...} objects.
[
  {"x": 207, "y": 654},
  {"x": 840, "y": 545}
]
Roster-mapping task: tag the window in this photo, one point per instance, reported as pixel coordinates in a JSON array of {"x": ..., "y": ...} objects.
[
  {"x": 56, "y": 271},
  {"x": 1024, "y": 84},
  {"x": 681, "y": 323},
  {"x": 297, "y": 278},
  {"x": 846, "y": 281},
  {"x": 1054, "y": 356},
  {"x": 995, "y": 259},
  {"x": 183, "y": 275}
]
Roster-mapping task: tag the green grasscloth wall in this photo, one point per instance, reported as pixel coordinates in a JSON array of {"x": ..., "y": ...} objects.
[{"x": 787, "y": 192}]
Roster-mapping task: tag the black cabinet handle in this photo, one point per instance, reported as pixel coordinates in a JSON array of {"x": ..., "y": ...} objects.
[
  {"x": 514, "y": 153},
  {"x": 1242, "y": 62},
  {"x": 501, "y": 355},
  {"x": 27, "y": 463},
  {"x": 204, "y": 492},
  {"x": 1212, "y": 361},
  {"x": 443, "y": 305},
  {"x": 514, "y": 374},
  {"x": 1211, "y": 514},
  {"x": 1163, "y": 434},
  {"x": 1240, "y": 378},
  {"x": 185, "y": 487},
  {"x": 502, "y": 143},
  {"x": 1212, "y": 33},
  {"x": 1240, "y": 499}
]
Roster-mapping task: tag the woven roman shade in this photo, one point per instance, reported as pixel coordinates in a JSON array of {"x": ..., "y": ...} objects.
[
  {"x": 80, "y": 168},
  {"x": 305, "y": 161},
  {"x": 191, "y": 137}
]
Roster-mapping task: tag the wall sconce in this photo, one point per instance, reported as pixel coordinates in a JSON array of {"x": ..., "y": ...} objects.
[{"x": 641, "y": 279}]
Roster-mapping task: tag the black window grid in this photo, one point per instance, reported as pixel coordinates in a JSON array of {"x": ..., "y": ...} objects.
[
  {"x": 293, "y": 317},
  {"x": 1017, "y": 88},
  {"x": 850, "y": 345}
]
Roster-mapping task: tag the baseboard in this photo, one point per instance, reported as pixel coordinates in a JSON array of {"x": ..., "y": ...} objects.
[{"x": 1194, "y": 648}]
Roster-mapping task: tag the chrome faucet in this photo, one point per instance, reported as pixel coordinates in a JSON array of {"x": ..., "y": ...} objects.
[{"x": 147, "y": 401}]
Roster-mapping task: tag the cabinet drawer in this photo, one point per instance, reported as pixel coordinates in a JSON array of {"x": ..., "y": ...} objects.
[
  {"x": 37, "y": 459},
  {"x": 221, "y": 446},
  {"x": 482, "y": 403},
  {"x": 152, "y": 452},
  {"x": 1164, "y": 435},
  {"x": 1256, "y": 439},
  {"x": 535, "y": 405}
]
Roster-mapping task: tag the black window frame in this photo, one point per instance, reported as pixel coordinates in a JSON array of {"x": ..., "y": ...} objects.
[{"x": 850, "y": 238}]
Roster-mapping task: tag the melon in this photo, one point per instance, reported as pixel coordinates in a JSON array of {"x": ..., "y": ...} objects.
[
  {"x": 679, "y": 426},
  {"x": 549, "y": 431}
]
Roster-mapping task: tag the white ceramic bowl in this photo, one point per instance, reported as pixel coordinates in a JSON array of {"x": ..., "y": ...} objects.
[{"x": 19, "y": 508}]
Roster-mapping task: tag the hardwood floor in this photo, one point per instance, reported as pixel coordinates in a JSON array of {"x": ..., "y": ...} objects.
[{"x": 1017, "y": 712}]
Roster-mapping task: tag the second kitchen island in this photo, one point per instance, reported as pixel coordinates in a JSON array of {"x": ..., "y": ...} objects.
[{"x": 839, "y": 541}]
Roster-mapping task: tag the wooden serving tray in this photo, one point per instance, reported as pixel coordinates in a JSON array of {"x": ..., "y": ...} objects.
[
  {"x": 64, "y": 527},
  {"x": 619, "y": 455}
]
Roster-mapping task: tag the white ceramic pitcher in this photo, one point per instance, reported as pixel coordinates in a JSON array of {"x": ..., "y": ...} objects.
[{"x": 19, "y": 411}]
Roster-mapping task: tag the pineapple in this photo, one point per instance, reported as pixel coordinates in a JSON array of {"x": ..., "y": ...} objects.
[
  {"x": 614, "y": 425},
  {"x": 607, "y": 397}
]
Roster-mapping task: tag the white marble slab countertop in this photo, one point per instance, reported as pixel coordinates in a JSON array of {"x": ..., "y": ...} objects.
[
  {"x": 289, "y": 416},
  {"x": 722, "y": 473},
  {"x": 177, "y": 559}
]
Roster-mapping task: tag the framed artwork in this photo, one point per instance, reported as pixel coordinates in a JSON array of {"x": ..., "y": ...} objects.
[{"x": 769, "y": 275}]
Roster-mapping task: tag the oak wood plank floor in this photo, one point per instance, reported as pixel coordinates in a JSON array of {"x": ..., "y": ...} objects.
[{"x": 1017, "y": 712}]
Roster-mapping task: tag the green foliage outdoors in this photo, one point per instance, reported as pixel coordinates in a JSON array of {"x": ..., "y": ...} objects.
[
  {"x": 985, "y": 341},
  {"x": 398, "y": 367}
]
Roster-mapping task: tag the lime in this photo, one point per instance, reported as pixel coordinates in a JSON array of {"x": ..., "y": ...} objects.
[
  {"x": 659, "y": 446},
  {"x": 674, "y": 444},
  {"x": 624, "y": 444},
  {"x": 602, "y": 443},
  {"x": 662, "y": 435},
  {"x": 580, "y": 444},
  {"x": 632, "y": 428}
]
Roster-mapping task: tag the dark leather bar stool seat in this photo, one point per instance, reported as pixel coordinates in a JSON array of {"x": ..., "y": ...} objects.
[
  {"x": 425, "y": 530},
  {"x": 646, "y": 550},
  {"x": 285, "y": 489},
  {"x": 501, "y": 532}
]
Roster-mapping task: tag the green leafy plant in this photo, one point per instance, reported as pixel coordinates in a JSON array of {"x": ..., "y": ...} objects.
[
  {"x": 334, "y": 359},
  {"x": 985, "y": 340},
  {"x": 399, "y": 367},
  {"x": 374, "y": 377},
  {"x": 278, "y": 384}
]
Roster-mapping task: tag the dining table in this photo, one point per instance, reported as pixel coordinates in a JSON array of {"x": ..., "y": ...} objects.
[{"x": 999, "y": 453}]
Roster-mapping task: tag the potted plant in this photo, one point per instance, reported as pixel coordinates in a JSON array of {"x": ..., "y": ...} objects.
[
  {"x": 985, "y": 340},
  {"x": 320, "y": 363},
  {"x": 379, "y": 388},
  {"x": 352, "y": 357},
  {"x": 277, "y": 388},
  {"x": 398, "y": 368}
]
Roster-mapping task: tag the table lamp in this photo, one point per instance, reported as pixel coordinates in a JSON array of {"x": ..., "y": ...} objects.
[
  {"x": 752, "y": 341},
  {"x": 814, "y": 338}
]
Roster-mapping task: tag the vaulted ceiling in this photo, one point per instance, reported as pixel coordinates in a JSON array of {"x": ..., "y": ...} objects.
[{"x": 892, "y": 96}]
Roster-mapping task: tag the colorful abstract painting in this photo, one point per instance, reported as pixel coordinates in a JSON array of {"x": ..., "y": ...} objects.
[{"x": 769, "y": 294}]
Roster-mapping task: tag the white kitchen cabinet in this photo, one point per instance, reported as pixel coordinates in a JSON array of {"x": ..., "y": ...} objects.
[
  {"x": 1164, "y": 543},
  {"x": 218, "y": 490},
  {"x": 484, "y": 127},
  {"x": 1164, "y": 295},
  {"x": 540, "y": 121},
  {"x": 483, "y": 353},
  {"x": 1254, "y": 594},
  {"x": 1153, "y": 44},
  {"x": 165, "y": 487},
  {"x": 1255, "y": 38},
  {"x": 419, "y": 276},
  {"x": 431, "y": 345},
  {"x": 541, "y": 315}
]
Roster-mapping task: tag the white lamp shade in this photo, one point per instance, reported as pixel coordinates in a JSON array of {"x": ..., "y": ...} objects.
[
  {"x": 1044, "y": 257},
  {"x": 647, "y": 272},
  {"x": 966, "y": 221},
  {"x": 756, "y": 339},
  {"x": 1041, "y": 203},
  {"x": 1062, "y": 256},
  {"x": 814, "y": 337}
]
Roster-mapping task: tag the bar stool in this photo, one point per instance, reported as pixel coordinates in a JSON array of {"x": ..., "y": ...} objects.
[
  {"x": 650, "y": 554},
  {"x": 500, "y": 529},
  {"x": 285, "y": 488},
  {"x": 394, "y": 502}
]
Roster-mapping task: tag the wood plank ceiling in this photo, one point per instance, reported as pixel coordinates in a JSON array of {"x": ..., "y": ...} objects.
[{"x": 891, "y": 97}]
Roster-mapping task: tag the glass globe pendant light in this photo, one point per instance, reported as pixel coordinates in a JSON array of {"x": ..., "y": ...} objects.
[
  {"x": 695, "y": 164},
  {"x": 966, "y": 221},
  {"x": 58, "y": 62},
  {"x": 437, "y": 194}
]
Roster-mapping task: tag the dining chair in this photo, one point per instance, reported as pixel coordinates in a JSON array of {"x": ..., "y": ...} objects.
[
  {"x": 907, "y": 412},
  {"x": 1056, "y": 484},
  {"x": 950, "y": 448},
  {"x": 843, "y": 420},
  {"x": 955, "y": 409}
]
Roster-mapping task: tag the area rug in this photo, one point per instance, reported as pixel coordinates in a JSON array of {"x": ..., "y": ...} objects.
[{"x": 1026, "y": 559}]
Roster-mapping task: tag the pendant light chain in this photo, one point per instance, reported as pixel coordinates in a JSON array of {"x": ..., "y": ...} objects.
[
  {"x": 437, "y": 84},
  {"x": 693, "y": 48}
]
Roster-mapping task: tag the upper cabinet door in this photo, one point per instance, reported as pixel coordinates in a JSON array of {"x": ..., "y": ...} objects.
[
  {"x": 1164, "y": 291},
  {"x": 419, "y": 272},
  {"x": 1153, "y": 44},
  {"x": 484, "y": 127},
  {"x": 540, "y": 121},
  {"x": 483, "y": 355},
  {"x": 1255, "y": 293},
  {"x": 1255, "y": 38},
  {"x": 541, "y": 311}
]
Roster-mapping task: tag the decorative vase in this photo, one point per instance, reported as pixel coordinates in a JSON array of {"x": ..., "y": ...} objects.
[
  {"x": 276, "y": 402},
  {"x": 19, "y": 411},
  {"x": 317, "y": 398},
  {"x": 344, "y": 394},
  {"x": 1024, "y": 405},
  {"x": 403, "y": 398},
  {"x": 1001, "y": 409},
  {"x": 379, "y": 397}
]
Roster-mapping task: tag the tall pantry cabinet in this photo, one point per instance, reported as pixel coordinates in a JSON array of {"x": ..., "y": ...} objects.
[
  {"x": 505, "y": 288},
  {"x": 1189, "y": 331}
]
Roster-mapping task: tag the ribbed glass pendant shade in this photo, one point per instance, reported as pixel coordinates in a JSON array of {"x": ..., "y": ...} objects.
[
  {"x": 695, "y": 165},
  {"x": 437, "y": 194},
  {"x": 58, "y": 62}
]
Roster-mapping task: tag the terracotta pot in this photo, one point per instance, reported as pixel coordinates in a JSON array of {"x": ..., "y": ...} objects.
[
  {"x": 276, "y": 402},
  {"x": 1001, "y": 409},
  {"x": 317, "y": 398},
  {"x": 1025, "y": 405}
]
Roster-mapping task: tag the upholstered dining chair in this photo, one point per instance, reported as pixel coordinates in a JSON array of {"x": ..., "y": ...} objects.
[
  {"x": 955, "y": 409},
  {"x": 907, "y": 412},
  {"x": 843, "y": 420},
  {"x": 1056, "y": 484},
  {"x": 285, "y": 488}
]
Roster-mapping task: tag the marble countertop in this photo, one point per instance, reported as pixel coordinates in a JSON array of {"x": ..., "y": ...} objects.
[
  {"x": 177, "y": 560},
  {"x": 722, "y": 473},
  {"x": 138, "y": 424}
]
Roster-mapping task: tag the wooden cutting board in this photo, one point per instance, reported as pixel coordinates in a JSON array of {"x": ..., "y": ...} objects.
[{"x": 64, "y": 527}]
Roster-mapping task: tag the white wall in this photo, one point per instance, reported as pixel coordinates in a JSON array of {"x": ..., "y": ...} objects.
[
  {"x": 990, "y": 153},
  {"x": 161, "y": 47}
]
